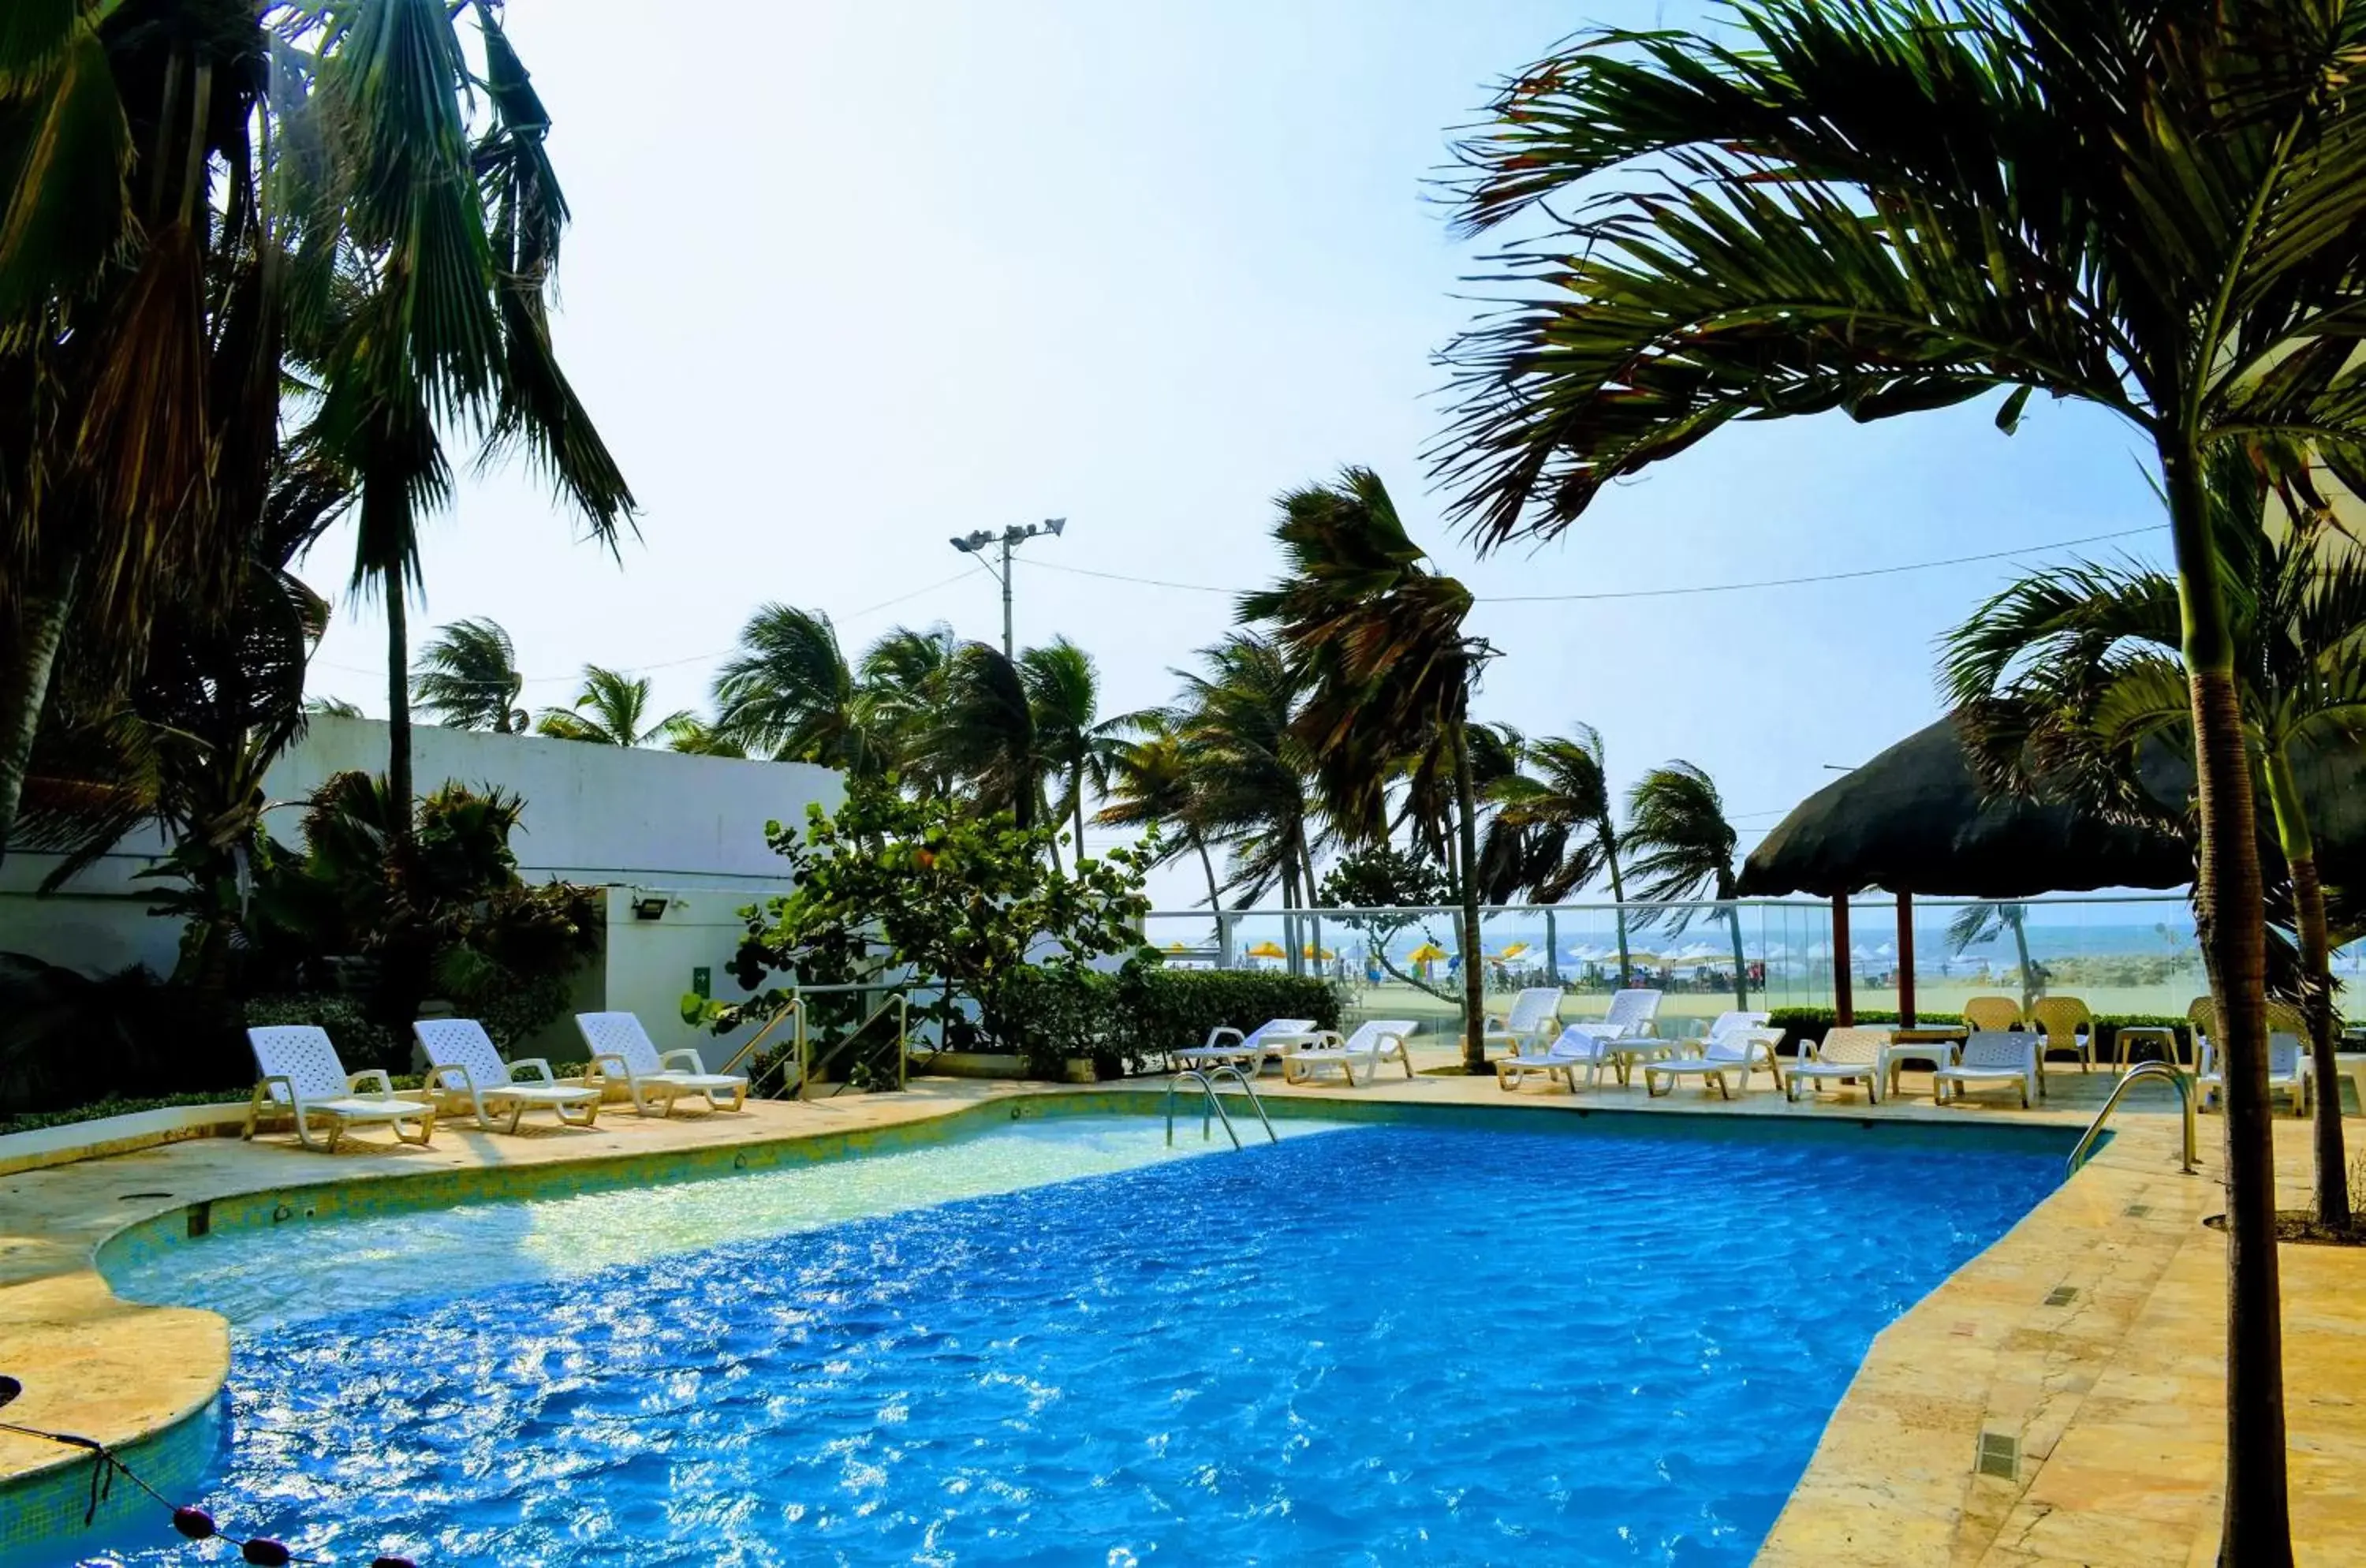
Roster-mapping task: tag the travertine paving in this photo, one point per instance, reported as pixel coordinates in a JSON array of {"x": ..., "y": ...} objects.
[{"x": 2087, "y": 1338}]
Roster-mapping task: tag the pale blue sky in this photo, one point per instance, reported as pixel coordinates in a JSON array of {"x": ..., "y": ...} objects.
[{"x": 847, "y": 279}]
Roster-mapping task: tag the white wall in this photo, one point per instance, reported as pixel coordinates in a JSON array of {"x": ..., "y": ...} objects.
[{"x": 644, "y": 821}]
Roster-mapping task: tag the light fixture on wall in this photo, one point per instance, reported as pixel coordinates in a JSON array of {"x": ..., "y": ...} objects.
[{"x": 650, "y": 906}]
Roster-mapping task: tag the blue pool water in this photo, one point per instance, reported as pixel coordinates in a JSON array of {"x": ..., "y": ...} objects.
[{"x": 1381, "y": 1344}]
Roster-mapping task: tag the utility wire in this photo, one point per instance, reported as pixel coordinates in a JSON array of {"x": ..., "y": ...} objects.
[{"x": 1040, "y": 565}]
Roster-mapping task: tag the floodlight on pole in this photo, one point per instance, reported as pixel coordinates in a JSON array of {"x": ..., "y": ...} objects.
[{"x": 974, "y": 544}]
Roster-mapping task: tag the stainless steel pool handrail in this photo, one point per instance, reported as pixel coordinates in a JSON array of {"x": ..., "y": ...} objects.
[
  {"x": 1214, "y": 1101},
  {"x": 2141, "y": 1070}
]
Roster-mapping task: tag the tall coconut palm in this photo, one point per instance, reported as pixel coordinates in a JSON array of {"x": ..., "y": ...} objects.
[
  {"x": 470, "y": 679},
  {"x": 1975, "y": 923},
  {"x": 2087, "y": 657},
  {"x": 1682, "y": 848},
  {"x": 147, "y": 227},
  {"x": 696, "y": 737},
  {"x": 611, "y": 710},
  {"x": 1234, "y": 718},
  {"x": 984, "y": 736},
  {"x": 1375, "y": 641},
  {"x": 451, "y": 222},
  {"x": 903, "y": 677},
  {"x": 1077, "y": 746},
  {"x": 1561, "y": 799},
  {"x": 2153, "y": 208},
  {"x": 788, "y": 692},
  {"x": 1152, "y": 783}
]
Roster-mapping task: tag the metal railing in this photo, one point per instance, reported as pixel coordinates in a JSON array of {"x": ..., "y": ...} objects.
[
  {"x": 2141, "y": 1070},
  {"x": 1207, "y": 1082}
]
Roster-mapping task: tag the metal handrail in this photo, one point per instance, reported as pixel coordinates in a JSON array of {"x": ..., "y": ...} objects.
[
  {"x": 1207, "y": 1082},
  {"x": 2141, "y": 1070},
  {"x": 795, "y": 1005},
  {"x": 902, "y": 1004}
]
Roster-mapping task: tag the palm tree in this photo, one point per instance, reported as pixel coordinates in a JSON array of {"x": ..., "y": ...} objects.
[
  {"x": 1151, "y": 784},
  {"x": 2086, "y": 657},
  {"x": 331, "y": 707},
  {"x": 1563, "y": 803},
  {"x": 695, "y": 737},
  {"x": 904, "y": 676},
  {"x": 984, "y": 740},
  {"x": 1233, "y": 718},
  {"x": 470, "y": 679},
  {"x": 611, "y": 711},
  {"x": 1975, "y": 923},
  {"x": 1076, "y": 746},
  {"x": 2153, "y": 208},
  {"x": 1683, "y": 848},
  {"x": 789, "y": 693},
  {"x": 450, "y": 236},
  {"x": 144, "y": 272},
  {"x": 1375, "y": 640}
]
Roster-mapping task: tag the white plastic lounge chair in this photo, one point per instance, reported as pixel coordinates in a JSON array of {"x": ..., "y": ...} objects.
[
  {"x": 1226, "y": 1046},
  {"x": 300, "y": 1073},
  {"x": 1589, "y": 1046},
  {"x": 1737, "y": 1052},
  {"x": 1633, "y": 1010},
  {"x": 463, "y": 1068},
  {"x": 622, "y": 1052},
  {"x": 2287, "y": 1073},
  {"x": 1990, "y": 1056},
  {"x": 1375, "y": 1041},
  {"x": 1848, "y": 1055},
  {"x": 1532, "y": 1020}
]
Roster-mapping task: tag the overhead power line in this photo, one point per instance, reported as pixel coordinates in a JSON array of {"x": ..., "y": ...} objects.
[{"x": 1665, "y": 592}]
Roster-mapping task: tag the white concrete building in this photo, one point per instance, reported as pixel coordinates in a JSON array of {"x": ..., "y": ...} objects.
[{"x": 648, "y": 826}]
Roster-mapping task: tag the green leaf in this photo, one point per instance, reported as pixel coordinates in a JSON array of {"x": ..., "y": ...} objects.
[
  {"x": 64, "y": 151},
  {"x": 2008, "y": 418}
]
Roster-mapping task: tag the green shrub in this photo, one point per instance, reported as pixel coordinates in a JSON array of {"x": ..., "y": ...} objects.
[{"x": 1121, "y": 1020}]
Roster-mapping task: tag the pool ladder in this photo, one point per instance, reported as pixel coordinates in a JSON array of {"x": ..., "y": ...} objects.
[
  {"x": 2141, "y": 1070},
  {"x": 1212, "y": 1101}
]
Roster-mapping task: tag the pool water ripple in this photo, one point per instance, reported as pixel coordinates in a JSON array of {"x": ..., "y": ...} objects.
[{"x": 1382, "y": 1345}]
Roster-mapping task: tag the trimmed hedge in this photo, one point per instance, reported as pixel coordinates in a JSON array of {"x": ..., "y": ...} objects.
[
  {"x": 1121, "y": 1021},
  {"x": 1810, "y": 1024}
]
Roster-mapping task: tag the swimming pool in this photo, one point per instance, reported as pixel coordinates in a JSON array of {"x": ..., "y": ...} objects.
[{"x": 1384, "y": 1343}]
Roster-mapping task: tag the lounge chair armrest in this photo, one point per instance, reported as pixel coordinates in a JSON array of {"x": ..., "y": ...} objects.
[
  {"x": 385, "y": 1090},
  {"x": 605, "y": 1064},
  {"x": 541, "y": 1069},
  {"x": 696, "y": 1064},
  {"x": 1216, "y": 1036},
  {"x": 276, "y": 1080},
  {"x": 433, "y": 1083}
]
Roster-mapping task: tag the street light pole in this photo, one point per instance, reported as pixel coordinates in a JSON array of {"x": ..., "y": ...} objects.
[{"x": 1009, "y": 540}]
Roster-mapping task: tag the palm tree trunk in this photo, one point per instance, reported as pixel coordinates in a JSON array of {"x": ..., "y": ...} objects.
[
  {"x": 25, "y": 684},
  {"x": 398, "y": 703},
  {"x": 2316, "y": 980},
  {"x": 2230, "y": 909},
  {"x": 1740, "y": 966},
  {"x": 1474, "y": 1003},
  {"x": 1208, "y": 864},
  {"x": 1076, "y": 783},
  {"x": 1618, "y": 903},
  {"x": 2029, "y": 987}
]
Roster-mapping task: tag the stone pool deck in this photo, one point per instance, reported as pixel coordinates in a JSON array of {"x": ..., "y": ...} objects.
[{"x": 2107, "y": 1397}]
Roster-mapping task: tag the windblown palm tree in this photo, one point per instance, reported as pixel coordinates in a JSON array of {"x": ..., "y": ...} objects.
[
  {"x": 470, "y": 679},
  {"x": 1375, "y": 640},
  {"x": 695, "y": 737},
  {"x": 2083, "y": 660},
  {"x": 1151, "y": 784},
  {"x": 984, "y": 736},
  {"x": 331, "y": 707},
  {"x": 1077, "y": 746},
  {"x": 2154, "y": 209},
  {"x": 1561, "y": 800},
  {"x": 1233, "y": 718},
  {"x": 903, "y": 677},
  {"x": 789, "y": 693},
  {"x": 611, "y": 710},
  {"x": 1975, "y": 923},
  {"x": 1682, "y": 848},
  {"x": 450, "y": 225}
]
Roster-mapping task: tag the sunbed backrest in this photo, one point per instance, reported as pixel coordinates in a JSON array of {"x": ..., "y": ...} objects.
[
  {"x": 1532, "y": 1007},
  {"x": 1367, "y": 1038},
  {"x": 1634, "y": 1006},
  {"x": 1277, "y": 1026},
  {"x": 1853, "y": 1043},
  {"x": 301, "y": 1054},
  {"x": 2283, "y": 1056},
  {"x": 620, "y": 1034},
  {"x": 461, "y": 1042},
  {"x": 1997, "y": 1048},
  {"x": 1737, "y": 1023}
]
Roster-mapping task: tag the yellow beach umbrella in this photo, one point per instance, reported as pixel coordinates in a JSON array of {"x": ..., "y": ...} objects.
[
  {"x": 1509, "y": 953},
  {"x": 1176, "y": 947},
  {"x": 1428, "y": 952},
  {"x": 1268, "y": 950},
  {"x": 1310, "y": 950}
]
